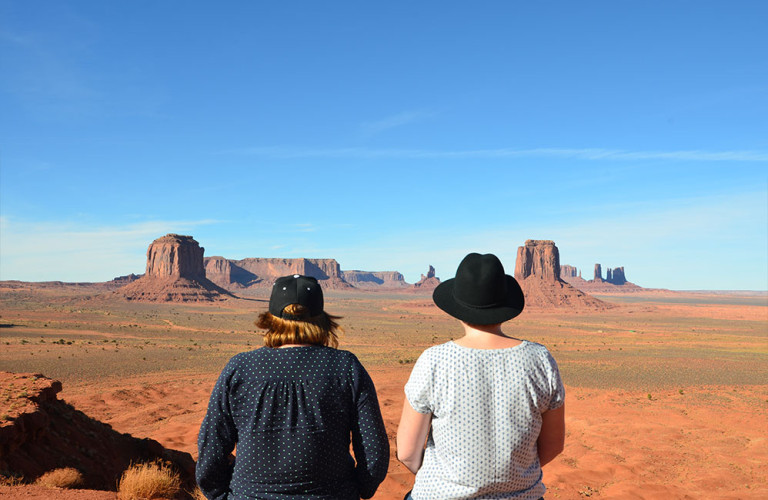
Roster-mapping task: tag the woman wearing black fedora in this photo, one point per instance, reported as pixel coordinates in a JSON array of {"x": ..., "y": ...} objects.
[
  {"x": 489, "y": 406},
  {"x": 291, "y": 408}
]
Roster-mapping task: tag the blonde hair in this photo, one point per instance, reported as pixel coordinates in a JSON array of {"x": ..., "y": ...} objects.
[{"x": 319, "y": 330}]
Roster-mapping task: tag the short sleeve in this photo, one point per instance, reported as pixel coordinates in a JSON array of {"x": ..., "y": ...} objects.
[
  {"x": 420, "y": 386},
  {"x": 556, "y": 387}
]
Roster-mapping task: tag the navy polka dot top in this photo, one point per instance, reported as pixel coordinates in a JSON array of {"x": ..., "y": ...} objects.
[{"x": 291, "y": 413}]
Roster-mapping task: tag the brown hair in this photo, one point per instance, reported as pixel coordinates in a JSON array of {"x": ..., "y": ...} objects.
[{"x": 319, "y": 330}]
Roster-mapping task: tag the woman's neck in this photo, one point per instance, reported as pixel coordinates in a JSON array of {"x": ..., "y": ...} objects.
[{"x": 486, "y": 337}]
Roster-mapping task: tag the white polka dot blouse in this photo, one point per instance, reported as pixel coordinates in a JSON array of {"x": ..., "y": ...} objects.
[{"x": 486, "y": 407}]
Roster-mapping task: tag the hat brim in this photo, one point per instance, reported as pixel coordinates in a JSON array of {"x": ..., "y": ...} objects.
[{"x": 513, "y": 306}]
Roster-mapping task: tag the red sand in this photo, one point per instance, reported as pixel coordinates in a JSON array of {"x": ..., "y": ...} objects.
[{"x": 708, "y": 443}]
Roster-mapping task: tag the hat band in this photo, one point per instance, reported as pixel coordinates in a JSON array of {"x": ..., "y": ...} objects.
[{"x": 473, "y": 306}]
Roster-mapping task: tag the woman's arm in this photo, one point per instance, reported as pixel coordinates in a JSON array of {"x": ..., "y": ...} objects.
[
  {"x": 552, "y": 436},
  {"x": 216, "y": 440},
  {"x": 411, "y": 435},
  {"x": 369, "y": 437}
]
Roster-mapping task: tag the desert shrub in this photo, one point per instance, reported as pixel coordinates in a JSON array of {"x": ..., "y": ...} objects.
[
  {"x": 66, "y": 477},
  {"x": 10, "y": 479},
  {"x": 154, "y": 480},
  {"x": 196, "y": 494}
]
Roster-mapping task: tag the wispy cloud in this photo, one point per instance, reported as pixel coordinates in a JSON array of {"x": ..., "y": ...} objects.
[
  {"x": 393, "y": 121},
  {"x": 305, "y": 228},
  {"x": 596, "y": 154},
  {"x": 75, "y": 252},
  {"x": 678, "y": 245}
]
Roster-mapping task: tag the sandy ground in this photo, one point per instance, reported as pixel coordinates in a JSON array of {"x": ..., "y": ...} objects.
[
  {"x": 691, "y": 440},
  {"x": 710, "y": 443}
]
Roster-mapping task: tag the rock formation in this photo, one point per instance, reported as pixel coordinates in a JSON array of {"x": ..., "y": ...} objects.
[
  {"x": 227, "y": 274},
  {"x": 175, "y": 273},
  {"x": 615, "y": 280},
  {"x": 616, "y": 276},
  {"x": 41, "y": 433},
  {"x": 429, "y": 281},
  {"x": 245, "y": 273},
  {"x": 538, "y": 258},
  {"x": 124, "y": 280},
  {"x": 537, "y": 270},
  {"x": 374, "y": 279},
  {"x": 175, "y": 256},
  {"x": 567, "y": 271}
]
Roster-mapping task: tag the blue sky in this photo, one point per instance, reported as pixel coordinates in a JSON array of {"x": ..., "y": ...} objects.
[{"x": 388, "y": 136}]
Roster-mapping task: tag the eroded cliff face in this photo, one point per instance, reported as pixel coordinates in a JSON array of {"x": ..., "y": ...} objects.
[
  {"x": 616, "y": 276},
  {"x": 615, "y": 280},
  {"x": 598, "y": 273},
  {"x": 428, "y": 281},
  {"x": 258, "y": 271},
  {"x": 268, "y": 269},
  {"x": 175, "y": 273},
  {"x": 539, "y": 259},
  {"x": 175, "y": 256},
  {"x": 372, "y": 279},
  {"x": 41, "y": 433},
  {"x": 567, "y": 271},
  {"x": 537, "y": 270}
]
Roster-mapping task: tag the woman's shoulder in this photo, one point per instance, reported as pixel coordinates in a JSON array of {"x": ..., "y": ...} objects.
[
  {"x": 540, "y": 349},
  {"x": 437, "y": 352}
]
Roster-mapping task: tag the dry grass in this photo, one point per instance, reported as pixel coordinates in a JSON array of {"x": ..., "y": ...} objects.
[
  {"x": 154, "y": 480},
  {"x": 196, "y": 494},
  {"x": 10, "y": 479},
  {"x": 66, "y": 477}
]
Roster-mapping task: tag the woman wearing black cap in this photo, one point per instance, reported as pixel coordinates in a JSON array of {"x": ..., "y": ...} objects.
[
  {"x": 490, "y": 406},
  {"x": 290, "y": 408}
]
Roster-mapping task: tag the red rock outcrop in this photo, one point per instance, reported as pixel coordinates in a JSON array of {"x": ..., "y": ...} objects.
[
  {"x": 227, "y": 274},
  {"x": 124, "y": 280},
  {"x": 616, "y": 276},
  {"x": 428, "y": 281},
  {"x": 614, "y": 282},
  {"x": 598, "y": 273},
  {"x": 537, "y": 270},
  {"x": 567, "y": 271},
  {"x": 175, "y": 256},
  {"x": 539, "y": 259},
  {"x": 374, "y": 279},
  {"x": 175, "y": 273},
  {"x": 245, "y": 273},
  {"x": 40, "y": 433}
]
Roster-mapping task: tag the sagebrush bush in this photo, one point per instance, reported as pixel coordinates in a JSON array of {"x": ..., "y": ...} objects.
[
  {"x": 196, "y": 494},
  {"x": 67, "y": 477},
  {"x": 154, "y": 480}
]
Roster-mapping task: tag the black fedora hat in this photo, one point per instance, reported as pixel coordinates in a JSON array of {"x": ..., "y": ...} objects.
[{"x": 481, "y": 293}]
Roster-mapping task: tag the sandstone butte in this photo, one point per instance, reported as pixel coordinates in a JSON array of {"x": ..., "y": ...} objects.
[
  {"x": 245, "y": 273},
  {"x": 537, "y": 269},
  {"x": 178, "y": 271},
  {"x": 428, "y": 281},
  {"x": 614, "y": 282},
  {"x": 174, "y": 273}
]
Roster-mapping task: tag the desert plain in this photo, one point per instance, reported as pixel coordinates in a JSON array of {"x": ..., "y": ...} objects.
[{"x": 667, "y": 392}]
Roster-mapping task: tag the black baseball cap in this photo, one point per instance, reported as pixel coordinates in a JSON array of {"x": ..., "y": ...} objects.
[{"x": 296, "y": 289}]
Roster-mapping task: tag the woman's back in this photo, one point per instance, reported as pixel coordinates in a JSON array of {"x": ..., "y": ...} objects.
[
  {"x": 293, "y": 410},
  {"x": 486, "y": 407}
]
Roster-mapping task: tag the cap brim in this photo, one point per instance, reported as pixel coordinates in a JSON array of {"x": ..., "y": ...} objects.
[{"x": 513, "y": 306}]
